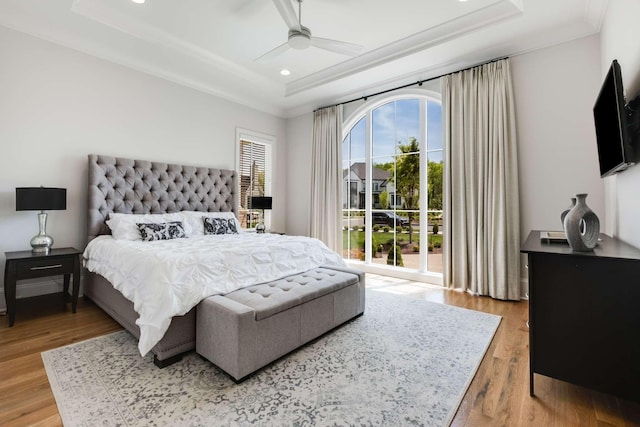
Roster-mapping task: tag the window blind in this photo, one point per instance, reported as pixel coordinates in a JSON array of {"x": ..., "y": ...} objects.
[{"x": 255, "y": 176}]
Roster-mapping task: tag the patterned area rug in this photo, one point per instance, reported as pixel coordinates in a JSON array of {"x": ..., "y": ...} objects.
[{"x": 404, "y": 362}]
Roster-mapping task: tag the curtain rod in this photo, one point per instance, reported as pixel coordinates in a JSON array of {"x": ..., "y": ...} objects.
[{"x": 419, "y": 83}]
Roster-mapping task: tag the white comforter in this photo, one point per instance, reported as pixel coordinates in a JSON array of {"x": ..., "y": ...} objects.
[{"x": 167, "y": 278}]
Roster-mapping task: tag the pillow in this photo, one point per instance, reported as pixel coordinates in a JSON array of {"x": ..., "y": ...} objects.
[
  {"x": 219, "y": 225},
  {"x": 161, "y": 231},
  {"x": 196, "y": 224},
  {"x": 123, "y": 226}
]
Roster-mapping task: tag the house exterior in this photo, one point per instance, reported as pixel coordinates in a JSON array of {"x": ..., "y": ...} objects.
[{"x": 355, "y": 185}]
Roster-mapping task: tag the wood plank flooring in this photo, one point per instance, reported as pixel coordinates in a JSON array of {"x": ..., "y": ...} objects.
[{"x": 498, "y": 395}]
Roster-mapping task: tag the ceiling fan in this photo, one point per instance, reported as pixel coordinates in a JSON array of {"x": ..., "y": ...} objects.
[{"x": 300, "y": 36}]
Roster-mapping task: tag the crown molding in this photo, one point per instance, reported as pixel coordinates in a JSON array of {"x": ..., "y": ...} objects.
[
  {"x": 31, "y": 28},
  {"x": 113, "y": 56},
  {"x": 594, "y": 13},
  {"x": 161, "y": 54},
  {"x": 108, "y": 16},
  {"x": 450, "y": 65},
  {"x": 473, "y": 21}
]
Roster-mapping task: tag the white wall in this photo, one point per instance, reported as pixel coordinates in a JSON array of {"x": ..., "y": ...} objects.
[
  {"x": 620, "y": 37},
  {"x": 58, "y": 105},
  {"x": 555, "y": 89},
  {"x": 299, "y": 137}
]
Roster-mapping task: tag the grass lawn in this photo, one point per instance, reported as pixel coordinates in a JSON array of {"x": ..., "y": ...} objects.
[{"x": 385, "y": 238}]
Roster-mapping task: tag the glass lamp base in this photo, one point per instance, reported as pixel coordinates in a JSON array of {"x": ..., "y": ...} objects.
[{"x": 41, "y": 242}]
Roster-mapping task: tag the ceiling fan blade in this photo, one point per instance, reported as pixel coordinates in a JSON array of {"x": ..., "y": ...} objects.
[
  {"x": 336, "y": 46},
  {"x": 273, "y": 53},
  {"x": 288, "y": 13}
]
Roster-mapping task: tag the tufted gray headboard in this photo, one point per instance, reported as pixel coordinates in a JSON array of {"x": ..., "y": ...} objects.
[{"x": 138, "y": 186}]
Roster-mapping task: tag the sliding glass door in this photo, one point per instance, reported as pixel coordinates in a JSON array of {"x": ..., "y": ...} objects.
[{"x": 392, "y": 185}]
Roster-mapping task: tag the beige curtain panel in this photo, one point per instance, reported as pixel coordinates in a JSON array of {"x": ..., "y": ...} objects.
[
  {"x": 481, "y": 202},
  {"x": 326, "y": 176}
]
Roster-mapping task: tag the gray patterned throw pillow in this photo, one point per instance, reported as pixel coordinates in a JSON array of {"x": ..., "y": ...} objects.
[
  {"x": 161, "y": 231},
  {"x": 219, "y": 226}
]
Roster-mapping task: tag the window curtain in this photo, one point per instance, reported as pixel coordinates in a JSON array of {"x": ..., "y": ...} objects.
[
  {"x": 326, "y": 177},
  {"x": 481, "y": 202}
]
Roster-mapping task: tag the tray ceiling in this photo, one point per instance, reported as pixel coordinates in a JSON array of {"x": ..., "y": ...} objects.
[{"x": 211, "y": 45}]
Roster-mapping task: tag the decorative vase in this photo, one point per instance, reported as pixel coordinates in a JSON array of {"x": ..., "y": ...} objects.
[
  {"x": 563, "y": 214},
  {"x": 581, "y": 226}
]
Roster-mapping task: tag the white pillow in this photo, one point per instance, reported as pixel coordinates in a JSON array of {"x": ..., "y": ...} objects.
[
  {"x": 123, "y": 226},
  {"x": 194, "y": 220}
]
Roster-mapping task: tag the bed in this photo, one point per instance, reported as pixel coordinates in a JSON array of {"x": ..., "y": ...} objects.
[
  {"x": 125, "y": 188},
  {"x": 129, "y": 186}
]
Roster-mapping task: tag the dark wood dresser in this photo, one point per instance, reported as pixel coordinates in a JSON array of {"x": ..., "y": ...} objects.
[{"x": 584, "y": 315}]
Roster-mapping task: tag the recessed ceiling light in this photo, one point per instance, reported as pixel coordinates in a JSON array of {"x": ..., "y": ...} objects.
[
  {"x": 138, "y": 1},
  {"x": 285, "y": 72}
]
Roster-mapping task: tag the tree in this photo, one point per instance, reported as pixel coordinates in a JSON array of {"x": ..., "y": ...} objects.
[
  {"x": 434, "y": 189},
  {"x": 407, "y": 178},
  {"x": 388, "y": 166},
  {"x": 394, "y": 257},
  {"x": 384, "y": 200}
]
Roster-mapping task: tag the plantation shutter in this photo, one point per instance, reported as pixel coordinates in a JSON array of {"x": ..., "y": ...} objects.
[{"x": 255, "y": 177}]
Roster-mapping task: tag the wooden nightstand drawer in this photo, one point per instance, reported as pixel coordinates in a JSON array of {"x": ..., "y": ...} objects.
[{"x": 44, "y": 267}]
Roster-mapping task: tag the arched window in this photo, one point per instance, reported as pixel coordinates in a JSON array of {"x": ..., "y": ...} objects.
[{"x": 392, "y": 185}]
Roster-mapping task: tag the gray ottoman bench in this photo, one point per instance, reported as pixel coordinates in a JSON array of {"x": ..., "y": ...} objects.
[{"x": 245, "y": 330}]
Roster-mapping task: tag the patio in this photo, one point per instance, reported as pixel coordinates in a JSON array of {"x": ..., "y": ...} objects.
[
  {"x": 412, "y": 261},
  {"x": 411, "y": 252}
]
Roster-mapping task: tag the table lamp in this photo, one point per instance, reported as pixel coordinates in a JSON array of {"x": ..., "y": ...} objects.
[
  {"x": 260, "y": 203},
  {"x": 41, "y": 199}
]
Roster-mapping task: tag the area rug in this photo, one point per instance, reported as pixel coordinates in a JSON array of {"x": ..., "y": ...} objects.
[{"x": 404, "y": 362}]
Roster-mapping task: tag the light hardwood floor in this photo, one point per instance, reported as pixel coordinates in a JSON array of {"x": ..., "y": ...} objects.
[{"x": 498, "y": 395}]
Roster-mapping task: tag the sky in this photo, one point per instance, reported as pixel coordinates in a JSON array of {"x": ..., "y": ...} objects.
[{"x": 393, "y": 123}]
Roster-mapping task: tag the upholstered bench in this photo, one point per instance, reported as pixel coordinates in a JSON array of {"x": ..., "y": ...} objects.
[{"x": 245, "y": 330}]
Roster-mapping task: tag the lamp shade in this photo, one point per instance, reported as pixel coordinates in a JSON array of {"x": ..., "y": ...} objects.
[
  {"x": 260, "y": 203},
  {"x": 41, "y": 199}
]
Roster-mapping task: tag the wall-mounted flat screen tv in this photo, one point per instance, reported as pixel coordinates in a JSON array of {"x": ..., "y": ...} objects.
[{"x": 611, "y": 115}]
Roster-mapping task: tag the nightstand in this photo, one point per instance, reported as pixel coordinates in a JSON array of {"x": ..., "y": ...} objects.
[{"x": 22, "y": 265}]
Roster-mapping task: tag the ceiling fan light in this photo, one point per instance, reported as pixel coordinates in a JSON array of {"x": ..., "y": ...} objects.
[{"x": 299, "y": 41}]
